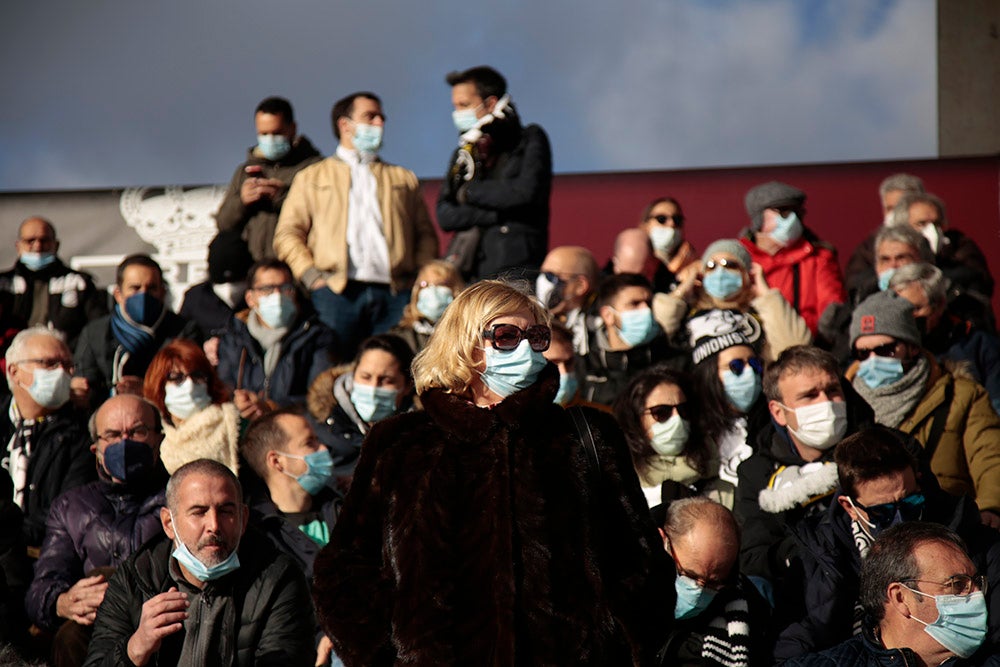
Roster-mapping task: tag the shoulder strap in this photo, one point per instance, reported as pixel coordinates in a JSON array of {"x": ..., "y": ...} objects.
[
  {"x": 796, "y": 287},
  {"x": 586, "y": 438}
]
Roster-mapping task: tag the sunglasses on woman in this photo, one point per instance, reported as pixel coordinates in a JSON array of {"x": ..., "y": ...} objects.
[
  {"x": 737, "y": 365},
  {"x": 506, "y": 337},
  {"x": 730, "y": 264},
  {"x": 662, "y": 413}
]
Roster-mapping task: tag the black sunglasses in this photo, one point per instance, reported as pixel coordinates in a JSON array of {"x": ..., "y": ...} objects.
[
  {"x": 678, "y": 219},
  {"x": 506, "y": 337},
  {"x": 662, "y": 413},
  {"x": 884, "y": 350},
  {"x": 177, "y": 377},
  {"x": 737, "y": 365},
  {"x": 909, "y": 509},
  {"x": 730, "y": 264}
]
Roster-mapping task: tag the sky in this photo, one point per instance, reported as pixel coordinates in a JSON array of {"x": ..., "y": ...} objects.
[{"x": 112, "y": 93}]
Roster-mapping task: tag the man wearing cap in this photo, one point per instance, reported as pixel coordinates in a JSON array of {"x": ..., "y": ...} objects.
[
  {"x": 791, "y": 474},
  {"x": 793, "y": 258},
  {"x": 949, "y": 414}
]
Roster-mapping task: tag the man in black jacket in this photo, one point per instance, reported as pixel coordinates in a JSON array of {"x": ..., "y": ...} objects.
[
  {"x": 45, "y": 443},
  {"x": 114, "y": 351},
  {"x": 258, "y": 188},
  {"x": 791, "y": 473},
  {"x": 880, "y": 484},
  {"x": 40, "y": 289},
  {"x": 212, "y": 593},
  {"x": 496, "y": 192}
]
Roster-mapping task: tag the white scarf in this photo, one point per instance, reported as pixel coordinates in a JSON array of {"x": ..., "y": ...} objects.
[{"x": 367, "y": 250}]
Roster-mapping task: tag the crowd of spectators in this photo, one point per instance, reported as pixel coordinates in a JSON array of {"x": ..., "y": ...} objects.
[{"x": 344, "y": 448}]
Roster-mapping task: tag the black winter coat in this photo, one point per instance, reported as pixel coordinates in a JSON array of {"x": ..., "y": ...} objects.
[
  {"x": 95, "y": 525},
  {"x": 507, "y": 200},
  {"x": 864, "y": 650},
  {"x": 476, "y": 536},
  {"x": 73, "y": 299},
  {"x": 60, "y": 461},
  {"x": 286, "y": 536},
  {"x": 306, "y": 351},
  {"x": 268, "y": 621},
  {"x": 606, "y": 373}
]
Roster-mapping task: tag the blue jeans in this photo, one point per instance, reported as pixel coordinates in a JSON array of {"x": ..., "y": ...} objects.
[{"x": 361, "y": 310}]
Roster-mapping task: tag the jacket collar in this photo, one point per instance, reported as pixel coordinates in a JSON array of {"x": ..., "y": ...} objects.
[{"x": 468, "y": 422}]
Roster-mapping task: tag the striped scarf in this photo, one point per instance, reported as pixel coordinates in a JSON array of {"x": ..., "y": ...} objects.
[{"x": 727, "y": 639}]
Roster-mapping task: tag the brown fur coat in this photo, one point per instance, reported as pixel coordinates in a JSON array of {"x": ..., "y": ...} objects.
[{"x": 475, "y": 536}]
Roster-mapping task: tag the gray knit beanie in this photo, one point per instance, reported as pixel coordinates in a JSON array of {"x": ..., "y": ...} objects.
[
  {"x": 886, "y": 314},
  {"x": 729, "y": 247},
  {"x": 773, "y": 194}
]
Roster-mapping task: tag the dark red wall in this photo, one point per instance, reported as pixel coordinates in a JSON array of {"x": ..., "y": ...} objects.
[{"x": 842, "y": 205}]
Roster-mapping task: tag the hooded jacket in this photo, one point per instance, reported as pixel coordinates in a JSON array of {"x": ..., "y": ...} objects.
[
  {"x": 486, "y": 536},
  {"x": 258, "y": 220}
]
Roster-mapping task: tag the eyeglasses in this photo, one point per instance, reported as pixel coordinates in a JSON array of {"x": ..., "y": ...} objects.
[
  {"x": 678, "y": 219},
  {"x": 49, "y": 364},
  {"x": 506, "y": 337},
  {"x": 737, "y": 365},
  {"x": 959, "y": 584},
  {"x": 884, "y": 350},
  {"x": 554, "y": 277},
  {"x": 428, "y": 283},
  {"x": 730, "y": 264},
  {"x": 662, "y": 413},
  {"x": 138, "y": 432},
  {"x": 909, "y": 509},
  {"x": 177, "y": 377},
  {"x": 284, "y": 288},
  {"x": 711, "y": 584}
]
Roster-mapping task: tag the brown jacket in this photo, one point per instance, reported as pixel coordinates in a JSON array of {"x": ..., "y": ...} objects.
[{"x": 311, "y": 236}]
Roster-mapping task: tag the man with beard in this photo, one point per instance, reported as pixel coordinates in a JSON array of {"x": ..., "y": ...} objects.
[
  {"x": 496, "y": 192},
  {"x": 208, "y": 593}
]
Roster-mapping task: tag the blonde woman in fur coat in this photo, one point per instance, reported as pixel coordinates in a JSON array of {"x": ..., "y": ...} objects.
[{"x": 199, "y": 420}]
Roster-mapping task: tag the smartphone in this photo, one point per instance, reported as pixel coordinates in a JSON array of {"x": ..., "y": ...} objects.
[{"x": 254, "y": 171}]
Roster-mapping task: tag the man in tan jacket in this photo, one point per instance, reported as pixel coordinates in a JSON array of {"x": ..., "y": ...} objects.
[{"x": 355, "y": 230}]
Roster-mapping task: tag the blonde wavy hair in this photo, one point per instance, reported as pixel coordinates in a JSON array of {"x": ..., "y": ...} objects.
[
  {"x": 448, "y": 361},
  {"x": 439, "y": 270}
]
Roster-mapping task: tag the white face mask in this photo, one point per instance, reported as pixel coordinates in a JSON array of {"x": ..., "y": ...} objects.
[
  {"x": 933, "y": 235},
  {"x": 821, "y": 425},
  {"x": 669, "y": 438},
  {"x": 230, "y": 293}
]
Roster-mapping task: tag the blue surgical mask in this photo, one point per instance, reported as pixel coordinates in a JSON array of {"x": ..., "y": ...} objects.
[
  {"x": 464, "y": 119},
  {"x": 432, "y": 300},
  {"x": 961, "y": 623},
  {"x": 144, "y": 308},
  {"x": 884, "y": 278},
  {"x": 665, "y": 239},
  {"x": 638, "y": 326},
  {"x": 692, "y": 599},
  {"x": 510, "y": 371},
  {"x": 880, "y": 371},
  {"x": 722, "y": 283},
  {"x": 741, "y": 390},
  {"x": 199, "y": 570},
  {"x": 319, "y": 468},
  {"x": 568, "y": 384},
  {"x": 373, "y": 403},
  {"x": 273, "y": 146},
  {"x": 669, "y": 438},
  {"x": 276, "y": 310},
  {"x": 367, "y": 138},
  {"x": 788, "y": 230},
  {"x": 49, "y": 388},
  {"x": 36, "y": 261},
  {"x": 127, "y": 459},
  {"x": 185, "y": 399}
]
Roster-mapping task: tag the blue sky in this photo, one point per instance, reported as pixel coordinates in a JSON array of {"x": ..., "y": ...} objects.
[{"x": 111, "y": 93}]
